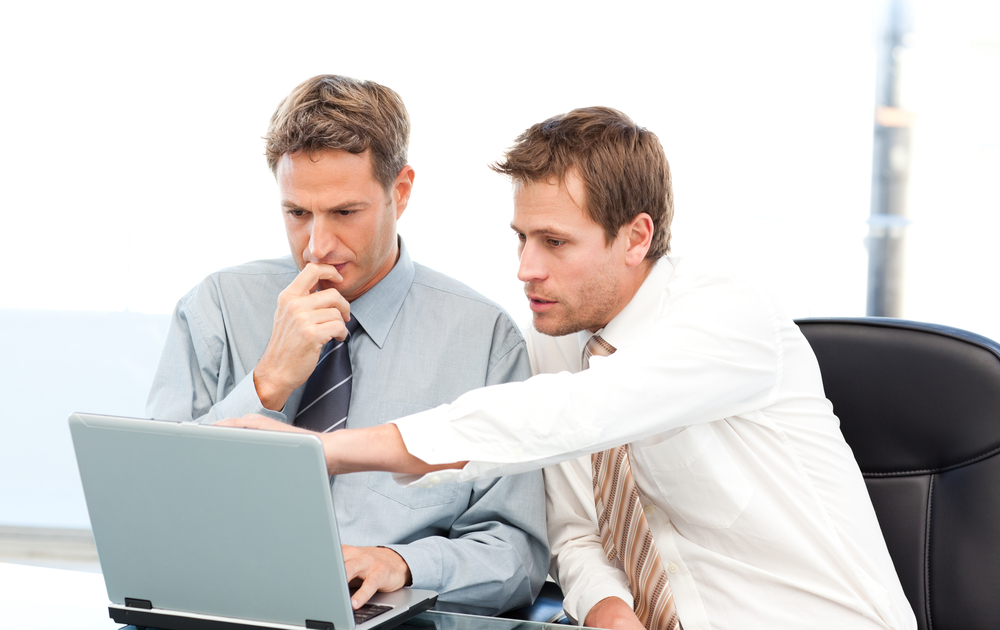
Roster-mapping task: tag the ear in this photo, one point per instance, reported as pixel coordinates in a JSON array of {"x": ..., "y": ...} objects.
[
  {"x": 639, "y": 236},
  {"x": 401, "y": 189}
]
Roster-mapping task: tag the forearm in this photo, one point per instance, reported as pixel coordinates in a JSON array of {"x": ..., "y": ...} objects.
[
  {"x": 495, "y": 556},
  {"x": 197, "y": 377},
  {"x": 473, "y": 575},
  {"x": 176, "y": 395},
  {"x": 556, "y": 416},
  {"x": 579, "y": 562},
  {"x": 374, "y": 448}
]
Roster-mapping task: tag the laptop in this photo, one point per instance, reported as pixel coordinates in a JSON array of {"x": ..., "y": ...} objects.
[{"x": 203, "y": 527}]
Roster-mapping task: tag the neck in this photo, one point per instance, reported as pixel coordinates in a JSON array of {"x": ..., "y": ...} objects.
[{"x": 633, "y": 281}]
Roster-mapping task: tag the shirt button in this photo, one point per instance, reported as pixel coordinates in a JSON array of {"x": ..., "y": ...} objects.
[
  {"x": 648, "y": 509},
  {"x": 672, "y": 568},
  {"x": 434, "y": 480}
]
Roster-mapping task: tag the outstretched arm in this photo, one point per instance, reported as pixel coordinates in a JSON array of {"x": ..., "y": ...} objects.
[{"x": 354, "y": 450}]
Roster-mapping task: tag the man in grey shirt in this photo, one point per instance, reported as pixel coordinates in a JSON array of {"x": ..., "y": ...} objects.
[{"x": 248, "y": 338}]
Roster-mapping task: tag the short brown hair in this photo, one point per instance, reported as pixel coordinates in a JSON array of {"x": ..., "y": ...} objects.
[
  {"x": 623, "y": 167},
  {"x": 334, "y": 112}
]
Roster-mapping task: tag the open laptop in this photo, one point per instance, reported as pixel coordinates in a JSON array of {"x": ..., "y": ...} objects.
[{"x": 204, "y": 527}]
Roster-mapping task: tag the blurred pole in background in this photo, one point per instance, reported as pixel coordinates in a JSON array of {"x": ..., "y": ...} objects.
[{"x": 890, "y": 161}]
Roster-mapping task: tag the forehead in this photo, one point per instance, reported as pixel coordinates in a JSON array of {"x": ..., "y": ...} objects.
[
  {"x": 327, "y": 171},
  {"x": 551, "y": 203}
]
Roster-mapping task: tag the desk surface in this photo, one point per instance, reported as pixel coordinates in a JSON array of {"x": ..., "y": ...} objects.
[{"x": 41, "y": 598}]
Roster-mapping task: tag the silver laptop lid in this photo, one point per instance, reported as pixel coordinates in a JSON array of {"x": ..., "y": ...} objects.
[{"x": 175, "y": 507}]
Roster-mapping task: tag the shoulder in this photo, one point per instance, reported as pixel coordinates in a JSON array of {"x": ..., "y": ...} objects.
[
  {"x": 704, "y": 304},
  {"x": 246, "y": 284},
  {"x": 456, "y": 294},
  {"x": 714, "y": 291},
  {"x": 272, "y": 267},
  {"x": 452, "y": 304}
]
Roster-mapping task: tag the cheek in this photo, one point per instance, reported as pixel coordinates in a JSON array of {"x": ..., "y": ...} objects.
[
  {"x": 383, "y": 232},
  {"x": 298, "y": 240}
]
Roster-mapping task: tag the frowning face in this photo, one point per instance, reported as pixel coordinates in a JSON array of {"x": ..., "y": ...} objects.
[{"x": 337, "y": 213}]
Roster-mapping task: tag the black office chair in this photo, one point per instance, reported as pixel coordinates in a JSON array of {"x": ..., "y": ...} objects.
[{"x": 920, "y": 406}]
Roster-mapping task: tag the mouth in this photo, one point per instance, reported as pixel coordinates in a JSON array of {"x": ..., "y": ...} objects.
[
  {"x": 539, "y": 304},
  {"x": 325, "y": 283}
]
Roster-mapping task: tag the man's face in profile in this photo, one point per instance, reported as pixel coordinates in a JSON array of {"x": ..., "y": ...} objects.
[
  {"x": 571, "y": 276},
  {"x": 337, "y": 213}
]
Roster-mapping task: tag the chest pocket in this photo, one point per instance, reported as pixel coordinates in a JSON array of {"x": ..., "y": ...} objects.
[
  {"x": 382, "y": 483},
  {"x": 697, "y": 477}
]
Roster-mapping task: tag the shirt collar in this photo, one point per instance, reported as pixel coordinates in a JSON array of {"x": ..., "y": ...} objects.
[
  {"x": 641, "y": 312},
  {"x": 376, "y": 310}
]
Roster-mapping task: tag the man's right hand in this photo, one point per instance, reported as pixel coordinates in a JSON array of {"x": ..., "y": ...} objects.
[
  {"x": 305, "y": 320},
  {"x": 613, "y": 613}
]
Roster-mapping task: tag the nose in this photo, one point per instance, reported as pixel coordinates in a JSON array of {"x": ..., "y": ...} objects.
[
  {"x": 531, "y": 267},
  {"x": 323, "y": 239}
]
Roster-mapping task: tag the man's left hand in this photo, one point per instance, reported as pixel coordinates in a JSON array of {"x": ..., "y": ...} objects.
[{"x": 376, "y": 569}]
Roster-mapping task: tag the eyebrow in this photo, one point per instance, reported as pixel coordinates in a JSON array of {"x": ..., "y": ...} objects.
[
  {"x": 545, "y": 231},
  {"x": 347, "y": 205}
]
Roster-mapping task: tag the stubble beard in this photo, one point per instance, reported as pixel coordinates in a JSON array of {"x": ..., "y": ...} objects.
[{"x": 590, "y": 309}]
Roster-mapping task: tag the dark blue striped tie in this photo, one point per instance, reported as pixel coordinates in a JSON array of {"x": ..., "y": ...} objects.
[{"x": 327, "y": 397}]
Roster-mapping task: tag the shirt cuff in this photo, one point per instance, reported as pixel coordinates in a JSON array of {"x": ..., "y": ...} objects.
[
  {"x": 419, "y": 430},
  {"x": 241, "y": 401},
  {"x": 578, "y": 607},
  {"x": 425, "y": 571}
]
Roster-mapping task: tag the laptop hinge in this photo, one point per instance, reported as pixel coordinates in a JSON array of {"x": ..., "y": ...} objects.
[
  {"x": 145, "y": 604},
  {"x": 312, "y": 624}
]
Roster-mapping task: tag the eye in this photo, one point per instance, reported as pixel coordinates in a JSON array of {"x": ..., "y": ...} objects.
[
  {"x": 521, "y": 237},
  {"x": 345, "y": 213},
  {"x": 555, "y": 243},
  {"x": 296, "y": 213}
]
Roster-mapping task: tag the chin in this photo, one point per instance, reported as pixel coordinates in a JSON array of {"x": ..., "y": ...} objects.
[{"x": 554, "y": 328}]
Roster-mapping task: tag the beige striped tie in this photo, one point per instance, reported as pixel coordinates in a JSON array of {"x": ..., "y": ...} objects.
[{"x": 624, "y": 531}]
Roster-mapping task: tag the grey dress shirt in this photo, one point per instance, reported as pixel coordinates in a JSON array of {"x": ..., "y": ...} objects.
[{"x": 425, "y": 340}]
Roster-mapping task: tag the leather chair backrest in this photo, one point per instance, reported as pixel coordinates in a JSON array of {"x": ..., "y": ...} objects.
[{"x": 919, "y": 404}]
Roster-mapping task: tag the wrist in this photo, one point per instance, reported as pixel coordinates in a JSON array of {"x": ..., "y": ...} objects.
[
  {"x": 400, "y": 565},
  {"x": 271, "y": 396}
]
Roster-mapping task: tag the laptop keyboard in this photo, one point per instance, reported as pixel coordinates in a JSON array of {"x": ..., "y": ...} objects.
[{"x": 368, "y": 611}]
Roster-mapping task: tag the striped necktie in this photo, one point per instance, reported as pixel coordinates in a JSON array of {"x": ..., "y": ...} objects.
[
  {"x": 327, "y": 397},
  {"x": 624, "y": 531}
]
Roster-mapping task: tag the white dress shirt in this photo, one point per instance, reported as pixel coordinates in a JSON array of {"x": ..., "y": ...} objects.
[{"x": 755, "y": 501}]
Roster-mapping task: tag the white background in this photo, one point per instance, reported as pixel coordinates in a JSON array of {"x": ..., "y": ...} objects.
[{"x": 132, "y": 158}]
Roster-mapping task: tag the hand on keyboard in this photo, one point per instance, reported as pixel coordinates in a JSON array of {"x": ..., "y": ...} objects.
[{"x": 374, "y": 569}]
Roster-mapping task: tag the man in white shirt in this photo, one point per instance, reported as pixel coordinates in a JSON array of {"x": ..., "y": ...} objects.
[{"x": 751, "y": 498}]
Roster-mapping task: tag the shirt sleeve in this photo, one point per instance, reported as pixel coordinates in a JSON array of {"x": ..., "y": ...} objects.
[
  {"x": 194, "y": 379},
  {"x": 579, "y": 563},
  {"x": 495, "y": 556},
  {"x": 697, "y": 363}
]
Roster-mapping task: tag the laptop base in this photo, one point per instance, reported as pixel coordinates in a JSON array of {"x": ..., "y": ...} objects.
[{"x": 168, "y": 621}]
